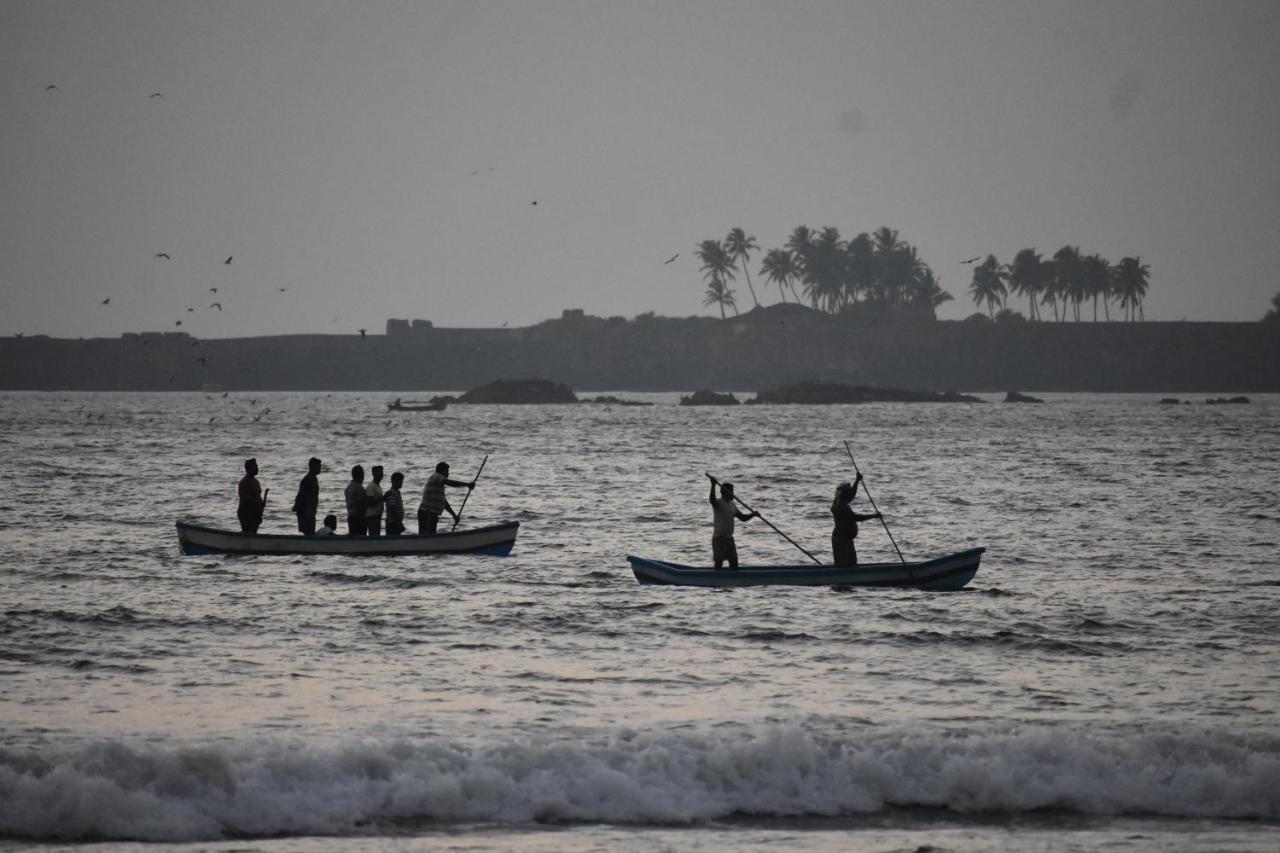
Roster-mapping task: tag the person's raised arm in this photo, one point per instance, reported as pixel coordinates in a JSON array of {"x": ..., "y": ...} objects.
[{"x": 712, "y": 496}]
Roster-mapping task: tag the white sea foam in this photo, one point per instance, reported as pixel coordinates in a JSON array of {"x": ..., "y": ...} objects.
[{"x": 117, "y": 791}]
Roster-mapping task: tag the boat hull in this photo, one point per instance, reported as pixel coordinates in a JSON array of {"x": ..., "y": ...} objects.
[
  {"x": 944, "y": 573},
  {"x": 496, "y": 540}
]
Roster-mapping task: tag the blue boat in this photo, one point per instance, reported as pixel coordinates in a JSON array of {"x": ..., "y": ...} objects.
[
  {"x": 496, "y": 540},
  {"x": 943, "y": 573}
]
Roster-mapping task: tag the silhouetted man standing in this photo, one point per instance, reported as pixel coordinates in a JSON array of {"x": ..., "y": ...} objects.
[
  {"x": 373, "y": 498},
  {"x": 395, "y": 506},
  {"x": 723, "y": 512},
  {"x": 846, "y": 524},
  {"x": 433, "y": 500},
  {"x": 308, "y": 499},
  {"x": 252, "y": 501},
  {"x": 355, "y": 502}
]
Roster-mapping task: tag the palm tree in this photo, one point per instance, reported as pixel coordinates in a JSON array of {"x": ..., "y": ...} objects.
[
  {"x": 1131, "y": 286},
  {"x": 719, "y": 294},
  {"x": 1068, "y": 279},
  {"x": 1273, "y": 316},
  {"x": 926, "y": 294},
  {"x": 989, "y": 284},
  {"x": 1026, "y": 276},
  {"x": 1096, "y": 274},
  {"x": 860, "y": 267},
  {"x": 824, "y": 270},
  {"x": 740, "y": 246},
  {"x": 779, "y": 267}
]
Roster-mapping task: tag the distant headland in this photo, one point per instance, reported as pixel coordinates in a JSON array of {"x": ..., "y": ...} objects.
[{"x": 763, "y": 348}]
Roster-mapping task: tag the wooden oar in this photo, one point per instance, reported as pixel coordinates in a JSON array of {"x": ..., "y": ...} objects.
[
  {"x": 873, "y": 502},
  {"x": 775, "y": 529},
  {"x": 467, "y": 496}
]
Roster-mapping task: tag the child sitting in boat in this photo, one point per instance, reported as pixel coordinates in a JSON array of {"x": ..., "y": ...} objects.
[{"x": 330, "y": 526}]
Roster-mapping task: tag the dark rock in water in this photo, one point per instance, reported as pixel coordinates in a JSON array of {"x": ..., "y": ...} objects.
[
  {"x": 813, "y": 393},
  {"x": 1016, "y": 397},
  {"x": 1226, "y": 400},
  {"x": 610, "y": 400},
  {"x": 1169, "y": 401},
  {"x": 520, "y": 392},
  {"x": 704, "y": 397}
]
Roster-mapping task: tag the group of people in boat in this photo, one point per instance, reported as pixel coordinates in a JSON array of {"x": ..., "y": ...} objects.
[
  {"x": 724, "y": 511},
  {"x": 368, "y": 505}
]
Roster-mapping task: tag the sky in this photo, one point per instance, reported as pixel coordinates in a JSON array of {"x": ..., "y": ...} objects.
[{"x": 486, "y": 162}]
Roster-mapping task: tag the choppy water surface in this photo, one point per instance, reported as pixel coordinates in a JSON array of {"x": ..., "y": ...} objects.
[{"x": 1112, "y": 677}]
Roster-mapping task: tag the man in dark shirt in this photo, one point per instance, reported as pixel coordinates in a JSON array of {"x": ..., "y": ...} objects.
[
  {"x": 395, "y": 506},
  {"x": 356, "y": 503},
  {"x": 252, "y": 500},
  {"x": 304, "y": 505},
  {"x": 846, "y": 529}
]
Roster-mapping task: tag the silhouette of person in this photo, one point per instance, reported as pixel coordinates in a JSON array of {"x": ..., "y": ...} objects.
[
  {"x": 723, "y": 512},
  {"x": 308, "y": 498},
  {"x": 330, "y": 526},
  {"x": 395, "y": 506},
  {"x": 846, "y": 527},
  {"x": 354, "y": 494},
  {"x": 433, "y": 499},
  {"x": 251, "y": 504},
  {"x": 373, "y": 499}
]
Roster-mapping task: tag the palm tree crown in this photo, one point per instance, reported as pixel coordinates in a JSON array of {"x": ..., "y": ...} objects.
[{"x": 740, "y": 246}]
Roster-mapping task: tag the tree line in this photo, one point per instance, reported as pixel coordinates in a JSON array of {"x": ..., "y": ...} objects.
[{"x": 881, "y": 274}]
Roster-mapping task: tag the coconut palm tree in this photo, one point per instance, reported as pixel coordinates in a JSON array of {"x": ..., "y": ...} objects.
[
  {"x": 860, "y": 267},
  {"x": 926, "y": 294},
  {"x": 989, "y": 284},
  {"x": 718, "y": 293},
  {"x": 1096, "y": 274},
  {"x": 824, "y": 270},
  {"x": 740, "y": 246},
  {"x": 1131, "y": 286},
  {"x": 1026, "y": 277},
  {"x": 779, "y": 267},
  {"x": 1069, "y": 281}
]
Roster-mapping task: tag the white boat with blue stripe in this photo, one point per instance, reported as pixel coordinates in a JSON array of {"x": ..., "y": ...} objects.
[
  {"x": 495, "y": 540},
  {"x": 943, "y": 573}
]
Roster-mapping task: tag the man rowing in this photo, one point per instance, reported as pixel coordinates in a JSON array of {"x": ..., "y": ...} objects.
[
  {"x": 433, "y": 499},
  {"x": 846, "y": 523},
  {"x": 724, "y": 511}
]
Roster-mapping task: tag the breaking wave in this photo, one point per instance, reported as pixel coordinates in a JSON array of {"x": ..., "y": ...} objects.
[{"x": 114, "y": 790}]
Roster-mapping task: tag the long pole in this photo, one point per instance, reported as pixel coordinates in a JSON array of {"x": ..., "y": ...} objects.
[
  {"x": 873, "y": 503},
  {"x": 775, "y": 529},
  {"x": 468, "y": 494}
]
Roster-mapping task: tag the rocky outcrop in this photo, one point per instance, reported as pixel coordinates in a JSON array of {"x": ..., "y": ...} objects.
[
  {"x": 703, "y": 397},
  {"x": 610, "y": 400},
  {"x": 822, "y": 393},
  {"x": 1218, "y": 401},
  {"x": 1019, "y": 397},
  {"x": 520, "y": 392}
]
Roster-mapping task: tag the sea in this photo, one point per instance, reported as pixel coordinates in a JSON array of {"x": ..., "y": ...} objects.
[{"x": 1110, "y": 680}]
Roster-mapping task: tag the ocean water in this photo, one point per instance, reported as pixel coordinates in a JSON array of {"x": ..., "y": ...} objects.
[{"x": 1110, "y": 680}]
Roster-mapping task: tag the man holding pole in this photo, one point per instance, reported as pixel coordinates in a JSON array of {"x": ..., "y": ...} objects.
[
  {"x": 724, "y": 511},
  {"x": 433, "y": 499},
  {"x": 846, "y": 527}
]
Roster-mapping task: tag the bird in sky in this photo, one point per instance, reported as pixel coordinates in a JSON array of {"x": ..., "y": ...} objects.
[
  {"x": 162, "y": 255},
  {"x": 261, "y": 414},
  {"x": 51, "y": 88},
  {"x": 224, "y": 393},
  {"x": 362, "y": 331},
  {"x": 670, "y": 259},
  {"x": 228, "y": 260},
  {"x": 283, "y": 289},
  {"x": 971, "y": 260},
  {"x": 213, "y": 290},
  {"x": 156, "y": 95},
  {"x": 217, "y": 305},
  {"x": 191, "y": 309},
  {"x": 535, "y": 202},
  {"x": 107, "y": 300}
]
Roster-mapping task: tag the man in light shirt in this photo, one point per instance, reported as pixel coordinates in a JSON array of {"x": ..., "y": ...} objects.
[
  {"x": 433, "y": 499},
  {"x": 724, "y": 511},
  {"x": 373, "y": 499}
]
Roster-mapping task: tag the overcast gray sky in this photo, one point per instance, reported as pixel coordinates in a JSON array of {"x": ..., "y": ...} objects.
[{"x": 381, "y": 159}]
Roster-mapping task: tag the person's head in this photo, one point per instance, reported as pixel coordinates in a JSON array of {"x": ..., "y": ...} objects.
[
  {"x": 251, "y": 467},
  {"x": 845, "y": 492},
  {"x": 397, "y": 480},
  {"x": 331, "y": 522},
  {"x": 443, "y": 468},
  {"x": 357, "y": 473},
  {"x": 726, "y": 491},
  {"x": 313, "y": 465},
  {"x": 377, "y": 473}
]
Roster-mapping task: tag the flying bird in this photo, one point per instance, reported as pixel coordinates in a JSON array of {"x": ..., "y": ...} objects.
[
  {"x": 217, "y": 305},
  {"x": 105, "y": 301},
  {"x": 51, "y": 88},
  {"x": 670, "y": 259},
  {"x": 283, "y": 289},
  {"x": 179, "y": 323},
  {"x": 534, "y": 202},
  {"x": 156, "y": 95},
  {"x": 362, "y": 331},
  {"x": 213, "y": 290},
  {"x": 971, "y": 260},
  {"x": 260, "y": 415},
  {"x": 228, "y": 260},
  {"x": 162, "y": 255},
  {"x": 191, "y": 309}
]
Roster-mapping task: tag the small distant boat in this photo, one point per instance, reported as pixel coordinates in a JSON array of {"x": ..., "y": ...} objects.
[
  {"x": 496, "y": 540},
  {"x": 412, "y": 406},
  {"x": 943, "y": 573}
]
